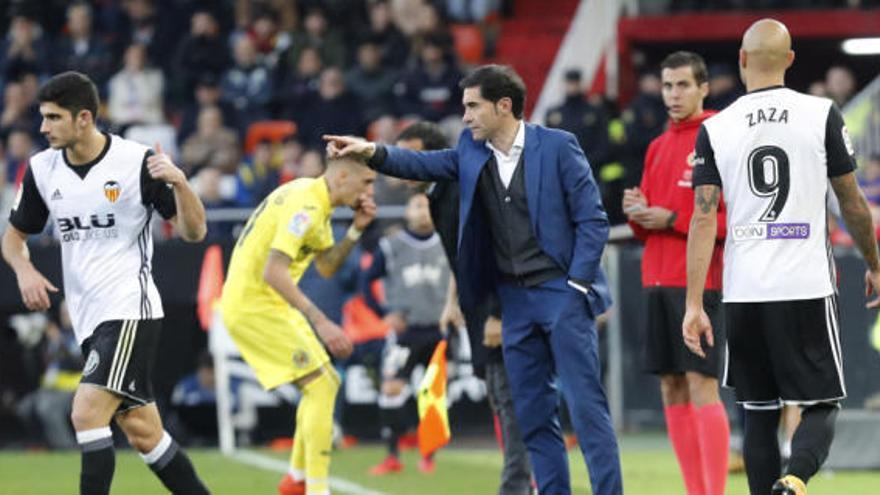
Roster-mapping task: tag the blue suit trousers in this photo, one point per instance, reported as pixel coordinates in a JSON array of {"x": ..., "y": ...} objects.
[{"x": 549, "y": 338}]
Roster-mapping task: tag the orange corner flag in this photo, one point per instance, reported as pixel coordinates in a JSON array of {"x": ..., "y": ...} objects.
[
  {"x": 433, "y": 418},
  {"x": 210, "y": 284}
]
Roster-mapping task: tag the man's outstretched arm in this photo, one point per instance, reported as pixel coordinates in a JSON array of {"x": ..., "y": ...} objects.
[{"x": 397, "y": 162}]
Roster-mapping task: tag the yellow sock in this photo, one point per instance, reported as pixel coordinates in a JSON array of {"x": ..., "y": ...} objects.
[
  {"x": 298, "y": 453},
  {"x": 315, "y": 428}
]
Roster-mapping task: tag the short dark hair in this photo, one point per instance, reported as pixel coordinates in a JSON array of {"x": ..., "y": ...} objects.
[
  {"x": 496, "y": 82},
  {"x": 72, "y": 91},
  {"x": 430, "y": 133},
  {"x": 683, "y": 58}
]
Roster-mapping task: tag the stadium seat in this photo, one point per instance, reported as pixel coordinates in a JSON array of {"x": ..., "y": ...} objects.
[
  {"x": 468, "y": 40},
  {"x": 271, "y": 130}
]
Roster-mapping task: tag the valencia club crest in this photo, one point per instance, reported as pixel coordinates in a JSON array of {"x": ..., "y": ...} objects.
[{"x": 112, "y": 190}]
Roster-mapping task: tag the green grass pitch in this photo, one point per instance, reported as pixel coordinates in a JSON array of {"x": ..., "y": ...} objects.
[{"x": 648, "y": 465}]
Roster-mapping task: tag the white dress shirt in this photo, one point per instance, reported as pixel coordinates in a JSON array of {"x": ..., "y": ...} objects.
[{"x": 507, "y": 162}]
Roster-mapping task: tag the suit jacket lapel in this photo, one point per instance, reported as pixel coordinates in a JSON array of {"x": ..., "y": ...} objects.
[{"x": 532, "y": 164}]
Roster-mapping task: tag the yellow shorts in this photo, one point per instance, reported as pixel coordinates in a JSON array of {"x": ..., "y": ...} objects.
[{"x": 278, "y": 344}]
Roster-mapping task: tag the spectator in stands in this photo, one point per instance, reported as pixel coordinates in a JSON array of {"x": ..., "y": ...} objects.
[
  {"x": 197, "y": 388},
  {"x": 291, "y": 159},
  {"x": 212, "y": 145},
  {"x": 430, "y": 90},
  {"x": 724, "y": 87},
  {"x": 318, "y": 34},
  {"x": 207, "y": 94},
  {"x": 203, "y": 51},
  {"x": 136, "y": 93},
  {"x": 247, "y": 85},
  {"x": 25, "y": 46},
  {"x": 19, "y": 111},
  {"x": 334, "y": 111},
  {"x": 840, "y": 84},
  {"x": 257, "y": 175},
  {"x": 48, "y": 407},
  {"x": 271, "y": 42},
  {"x": 80, "y": 49},
  {"x": 7, "y": 192},
  {"x": 19, "y": 148},
  {"x": 312, "y": 165},
  {"x": 371, "y": 81},
  {"x": 588, "y": 122},
  {"x": 301, "y": 84},
  {"x": 216, "y": 190},
  {"x": 818, "y": 88},
  {"x": 392, "y": 43},
  {"x": 645, "y": 117},
  {"x": 145, "y": 26},
  {"x": 409, "y": 16},
  {"x": 471, "y": 11},
  {"x": 643, "y": 120}
]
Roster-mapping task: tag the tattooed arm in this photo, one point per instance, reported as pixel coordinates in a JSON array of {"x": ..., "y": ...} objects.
[{"x": 701, "y": 242}]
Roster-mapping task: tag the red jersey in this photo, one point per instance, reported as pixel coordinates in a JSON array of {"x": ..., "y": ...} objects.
[{"x": 666, "y": 182}]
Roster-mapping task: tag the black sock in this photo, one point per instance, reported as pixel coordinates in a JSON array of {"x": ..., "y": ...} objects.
[
  {"x": 812, "y": 440},
  {"x": 98, "y": 461},
  {"x": 761, "y": 450},
  {"x": 393, "y": 424},
  {"x": 173, "y": 467}
]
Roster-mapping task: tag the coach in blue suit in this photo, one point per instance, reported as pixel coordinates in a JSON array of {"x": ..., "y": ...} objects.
[{"x": 533, "y": 229}]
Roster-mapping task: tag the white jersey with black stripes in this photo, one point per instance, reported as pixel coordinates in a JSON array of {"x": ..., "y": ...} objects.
[
  {"x": 772, "y": 152},
  {"x": 101, "y": 213}
]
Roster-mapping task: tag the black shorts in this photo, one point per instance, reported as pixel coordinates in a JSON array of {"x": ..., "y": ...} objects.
[
  {"x": 405, "y": 351},
  {"x": 664, "y": 351},
  {"x": 784, "y": 352},
  {"x": 119, "y": 357}
]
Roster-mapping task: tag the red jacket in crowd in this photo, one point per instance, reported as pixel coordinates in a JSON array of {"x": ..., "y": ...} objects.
[{"x": 666, "y": 182}]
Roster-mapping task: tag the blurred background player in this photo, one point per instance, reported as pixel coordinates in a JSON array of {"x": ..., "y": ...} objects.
[
  {"x": 275, "y": 326},
  {"x": 659, "y": 212},
  {"x": 416, "y": 274}
]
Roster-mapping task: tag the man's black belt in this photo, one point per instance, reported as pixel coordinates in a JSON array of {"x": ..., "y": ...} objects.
[{"x": 532, "y": 279}]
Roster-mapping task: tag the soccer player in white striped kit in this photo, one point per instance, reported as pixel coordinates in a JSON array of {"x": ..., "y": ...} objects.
[
  {"x": 773, "y": 152},
  {"x": 101, "y": 192}
]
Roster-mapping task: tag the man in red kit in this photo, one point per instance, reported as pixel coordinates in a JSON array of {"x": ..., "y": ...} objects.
[{"x": 659, "y": 212}]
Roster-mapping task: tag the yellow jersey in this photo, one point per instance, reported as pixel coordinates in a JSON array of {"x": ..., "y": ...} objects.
[{"x": 293, "y": 219}]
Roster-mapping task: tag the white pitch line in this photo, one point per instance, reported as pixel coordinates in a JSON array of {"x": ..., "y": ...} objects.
[{"x": 270, "y": 464}]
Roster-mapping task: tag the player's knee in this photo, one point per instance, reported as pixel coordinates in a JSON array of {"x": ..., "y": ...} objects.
[
  {"x": 702, "y": 389},
  {"x": 81, "y": 419},
  {"x": 84, "y": 416},
  {"x": 674, "y": 389}
]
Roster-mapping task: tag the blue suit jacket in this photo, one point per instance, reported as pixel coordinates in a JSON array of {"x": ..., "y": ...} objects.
[{"x": 564, "y": 207}]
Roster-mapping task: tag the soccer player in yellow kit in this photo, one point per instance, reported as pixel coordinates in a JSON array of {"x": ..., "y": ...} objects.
[{"x": 275, "y": 326}]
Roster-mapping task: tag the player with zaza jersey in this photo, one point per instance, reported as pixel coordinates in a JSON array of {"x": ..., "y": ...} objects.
[{"x": 276, "y": 327}]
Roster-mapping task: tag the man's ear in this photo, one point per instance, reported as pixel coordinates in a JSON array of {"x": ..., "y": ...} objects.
[{"x": 83, "y": 118}]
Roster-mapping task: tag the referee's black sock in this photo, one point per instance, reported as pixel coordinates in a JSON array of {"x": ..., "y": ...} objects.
[
  {"x": 173, "y": 467},
  {"x": 812, "y": 440},
  {"x": 761, "y": 449},
  {"x": 98, "y": 461}
]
